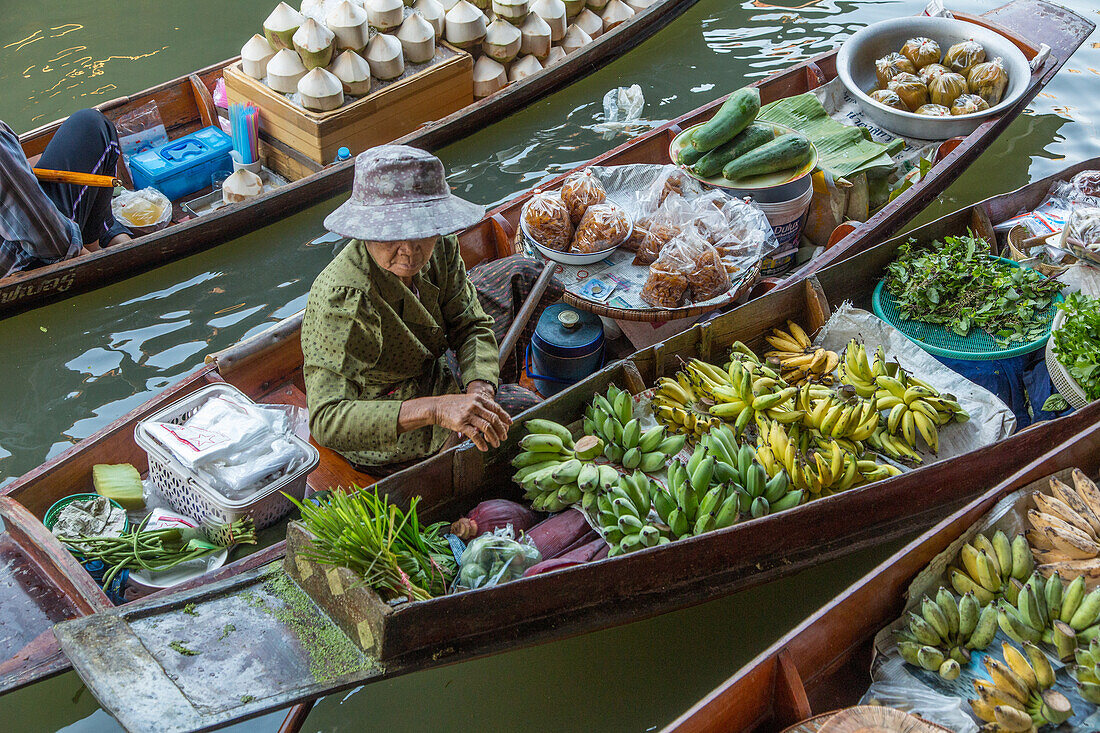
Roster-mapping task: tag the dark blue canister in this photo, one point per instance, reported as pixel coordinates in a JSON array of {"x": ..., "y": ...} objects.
[{"x": 566, "y": 348}]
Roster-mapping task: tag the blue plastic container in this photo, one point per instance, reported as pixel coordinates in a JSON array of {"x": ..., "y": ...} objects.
[
  {"x": 183, "y": 166},
  {"x": 566, "y": 348}
]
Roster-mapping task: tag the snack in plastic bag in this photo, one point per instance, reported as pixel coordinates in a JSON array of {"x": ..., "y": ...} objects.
[
  {"x": 141, "y": 129},
  {"x": 664, "y": 288},
  {"x": 673, "y": 181},
  {"x": 963, "y": 56},
  {"x": 890, "y": 65},
  {"x": 709, "y": 279},
  {"x": 494, "y": 558},
  {"x": 547, "y": 219},
  {"x": 580, "y": 191},
  {"x": 603, "y": 226},
  {"x": 988, "y": 80},
  {"x": 672, "y": 273},
  {"x": 1086, "y": 183},
  {"x": 144, "y": 211},
  {"x": 921, "y": 51}
]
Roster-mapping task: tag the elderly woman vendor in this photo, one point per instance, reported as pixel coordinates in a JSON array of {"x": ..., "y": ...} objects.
[{"x": 400, "y": 343}]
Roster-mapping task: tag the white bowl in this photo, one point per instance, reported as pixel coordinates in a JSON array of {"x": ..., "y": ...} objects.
[
  {"x": 571, "y": 258},
  {"x": 855, "y": 64}
]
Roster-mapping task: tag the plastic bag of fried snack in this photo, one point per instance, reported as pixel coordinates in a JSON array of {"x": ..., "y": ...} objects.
[
  {"x": 547, "y": 219},
  {"x": 602, "y": 227},
  {"x": 580, "y": 191},
  {"x": 672, "y": 181}
]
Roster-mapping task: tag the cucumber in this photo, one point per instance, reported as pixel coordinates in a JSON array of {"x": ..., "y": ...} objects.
[
  {"x": 688, "y": 155},
  {"x": 751, "y": 137},
  {"x": 732, "y": 117},
  {"x": 786, "y": 151}
]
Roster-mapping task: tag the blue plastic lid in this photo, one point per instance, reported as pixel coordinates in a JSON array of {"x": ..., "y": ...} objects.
[
  {"x": 563, "y": 330},
  {"x": 343, "y": 154}
]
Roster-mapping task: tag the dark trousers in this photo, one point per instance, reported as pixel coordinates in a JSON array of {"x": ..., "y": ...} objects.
[{"x": 85, "y": 143}]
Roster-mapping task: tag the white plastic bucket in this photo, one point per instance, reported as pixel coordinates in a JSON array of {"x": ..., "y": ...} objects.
[{"x": 788, "y": 217}]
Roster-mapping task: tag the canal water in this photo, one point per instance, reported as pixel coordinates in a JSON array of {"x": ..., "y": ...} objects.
[{"x": 68, "y": 369}]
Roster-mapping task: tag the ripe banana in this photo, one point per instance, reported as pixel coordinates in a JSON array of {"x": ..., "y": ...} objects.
[{"x": 1019, "y": 697}]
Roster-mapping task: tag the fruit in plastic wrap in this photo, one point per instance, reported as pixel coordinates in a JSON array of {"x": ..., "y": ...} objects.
[
  {"x": 946, "y": 87},
  {"x": 912, "y": 91},
  {"x": 930, "y": 72},
  {"x": 602, "y": 227},
  {"x": 890, "y": 65},
  {"x": 968, "y": 104},
  {"x": 888, "y": 97},
  {"x": 709, "y": 279},
  {"x": 580, "y": 191},
  {"x": 988, "y": 80},
  {"x": 921, "y": 51},
  {"x": 547, "y": 219},
  {"x": 933, "y": 110},
  {"x": 664, "y": 288},
  {"x": 964, "y": 55}
]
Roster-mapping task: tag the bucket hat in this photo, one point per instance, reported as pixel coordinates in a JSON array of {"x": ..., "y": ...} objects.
[{"x": 400, "y": 192}]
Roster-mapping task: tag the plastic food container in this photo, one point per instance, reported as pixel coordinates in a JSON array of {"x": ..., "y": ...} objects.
[
  {"x": 183, "y": 166},
  {"x": 191, "y": 495},
  {"x": 567, "y": 346}
]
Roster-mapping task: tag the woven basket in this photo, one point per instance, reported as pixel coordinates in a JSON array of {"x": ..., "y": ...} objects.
[
  {"x": 1016, "y": 237},
  {"x": 1063, "y": 382},
  {"x": 814, "y": 724}
]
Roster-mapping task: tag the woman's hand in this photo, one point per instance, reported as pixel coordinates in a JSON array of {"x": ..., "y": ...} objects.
[{"x": 475, "y": 415}]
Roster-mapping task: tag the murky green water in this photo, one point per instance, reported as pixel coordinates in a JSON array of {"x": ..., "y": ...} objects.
[{"x": 68, "y": 369}]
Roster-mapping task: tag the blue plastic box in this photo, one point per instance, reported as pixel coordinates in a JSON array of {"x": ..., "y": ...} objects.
[{"x": 185, "y": 165}]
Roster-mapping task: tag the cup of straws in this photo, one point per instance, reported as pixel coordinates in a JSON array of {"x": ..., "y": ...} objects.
[{"x": 244, "y": 125}]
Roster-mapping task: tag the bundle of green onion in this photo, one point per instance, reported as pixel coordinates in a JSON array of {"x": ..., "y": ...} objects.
[
  {"x": 154, "y": 549},
  {"x": 389, "y": 548}
]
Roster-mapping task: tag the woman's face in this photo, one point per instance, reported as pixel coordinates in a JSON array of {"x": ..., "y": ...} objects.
[{"x": 404, "y": 258}]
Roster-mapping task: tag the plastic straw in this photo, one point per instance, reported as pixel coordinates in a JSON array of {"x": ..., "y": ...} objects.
[{"x": 244, "y": 124}]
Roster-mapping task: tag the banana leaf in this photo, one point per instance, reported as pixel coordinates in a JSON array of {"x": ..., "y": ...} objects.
[{"x": 842, "y": 150}]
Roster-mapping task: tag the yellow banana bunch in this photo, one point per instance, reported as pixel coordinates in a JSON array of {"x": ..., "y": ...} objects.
[
  {"x": 797, "y": 358},
  {"x": 1017, "y": 697},
  {"x": 987, "y": 566},
  {"x": 842, "y": 415},
  {"x": 755, "y": 394},
  {"x": 858, "y": 372},
  {"x": 822, "y": 469},
  {"x": 674, "y": 405}
]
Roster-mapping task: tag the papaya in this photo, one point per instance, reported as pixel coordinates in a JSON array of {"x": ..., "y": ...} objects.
[
  {"x": 786, "y": 151},
  {"x": 735, "y": 114},
  {"x": 753, "y": 136}
]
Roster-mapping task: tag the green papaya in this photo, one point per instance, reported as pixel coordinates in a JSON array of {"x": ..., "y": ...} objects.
[
  {"x": 748, "y": 139},
  {"x": 735, "y": 114},
  {"x": 786, "y": 151}
]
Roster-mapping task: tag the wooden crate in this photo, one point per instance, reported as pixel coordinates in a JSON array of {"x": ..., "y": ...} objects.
[{"x": 425, "y": 92}]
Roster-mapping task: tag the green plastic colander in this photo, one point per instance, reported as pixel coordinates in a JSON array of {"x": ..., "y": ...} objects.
[{"x": 935, "y": 339}]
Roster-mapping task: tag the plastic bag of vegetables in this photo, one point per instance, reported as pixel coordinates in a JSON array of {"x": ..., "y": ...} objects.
[{"x": 495, "y": 558}]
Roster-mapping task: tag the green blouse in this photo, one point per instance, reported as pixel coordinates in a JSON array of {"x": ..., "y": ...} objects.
[{"x": 370, "y": 343}]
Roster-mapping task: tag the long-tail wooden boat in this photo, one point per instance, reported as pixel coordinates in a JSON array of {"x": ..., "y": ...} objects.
[
  {"x": 824, "y": 663},
  {"x": 1028, "y": 23},
  {"x": 186, "y": 105},
  {"x": 573, "y": 601}
]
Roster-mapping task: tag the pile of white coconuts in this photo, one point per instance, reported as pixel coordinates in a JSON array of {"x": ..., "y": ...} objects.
[{"x": 329, "y": 50}]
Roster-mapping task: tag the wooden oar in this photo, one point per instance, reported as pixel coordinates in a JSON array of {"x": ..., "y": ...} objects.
[
  {"x": 77, "y": 179},
  {"x": 526, "y": 311}
]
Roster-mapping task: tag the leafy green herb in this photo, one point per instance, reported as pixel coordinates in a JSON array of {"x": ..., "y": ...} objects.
[
  {"x": 389, "y": 548},
  {"x": 179, "y": 647},
  {"x": 958, "y": 285},
  {"x": 1077, "y": 342}
]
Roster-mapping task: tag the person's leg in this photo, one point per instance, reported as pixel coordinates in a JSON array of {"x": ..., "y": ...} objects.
[
  {"x": 85, "y": 143},
  {"x": 502, "y": 287}
]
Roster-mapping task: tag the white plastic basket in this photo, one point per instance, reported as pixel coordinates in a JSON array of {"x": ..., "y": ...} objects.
[
  {"x": 1063, "y": 382},
  {"x": 190, "y": 495}
]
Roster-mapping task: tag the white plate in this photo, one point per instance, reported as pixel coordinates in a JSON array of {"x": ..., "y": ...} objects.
[{"x": 180, "y": 573}]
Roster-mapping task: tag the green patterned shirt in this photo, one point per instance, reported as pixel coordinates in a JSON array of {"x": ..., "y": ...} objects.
[{"x": 370, "y": 343}]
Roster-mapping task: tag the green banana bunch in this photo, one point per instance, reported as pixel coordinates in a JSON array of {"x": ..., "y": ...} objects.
[
  {"x": 1038, "y": 604},
  {"x": 947, "y": 629},
  {"x": 1017, "y": 697},
  {"x": 623, "y": 515},
  {"x": 1087, "y": 672},
  {"x": 611, "y": 418},
  {"x": 748, "y": 393},
  {"x": 550, "y": 465},
  {"x": 987, "y": 566}
]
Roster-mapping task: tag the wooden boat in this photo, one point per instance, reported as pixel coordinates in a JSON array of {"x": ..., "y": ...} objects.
[
  {"x": 186, "y": 105},
  {"x": 451, "y": 628},
  {"x": 1060, "y": 29},
  {"x": 824, "y": 663}
]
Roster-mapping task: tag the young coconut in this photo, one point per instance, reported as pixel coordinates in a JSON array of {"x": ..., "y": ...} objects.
[
  {"x": 349, "y": 22},
  {"x": 614, "y": 13},
  {"x": 321, "y": 90},
  {"x": 639, "y": 5},
  {"x": 353, "y": 72},
  {"x": 523, "y": 68},
  {"x": 597, "y": 5},
  {"x": 447, "y": 5},
  {"x": 590, "y": 23},
  {"x": 489, "y": 77},
  {"x": 556, "y": 54},
  {"x": 482, "y": 5},
  {"x": 573, "y": 8},
  {"x": 575, "y": 39},
  {"x": 417, "y": 39},
  {"x": 318, "y": 9},
  {"x": 280, "y": 26},
  {"x": 241, "y": 185},
  {"x": 465, "y": 25},
  {"x": 434, "y": 13},
  {"x": 385, "y": 15},
  {"x": 284, "y": 70},
  {"x": 553, "y": 12},
  {"x": 502, "y": 41},
  {"x": 254, "y": 56},
  {"x": 314, "y": 43},
  {"x": 513, "y": 11},
  {"x": 535, "y": 37},
  {"x": 385, "y": 58}
]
